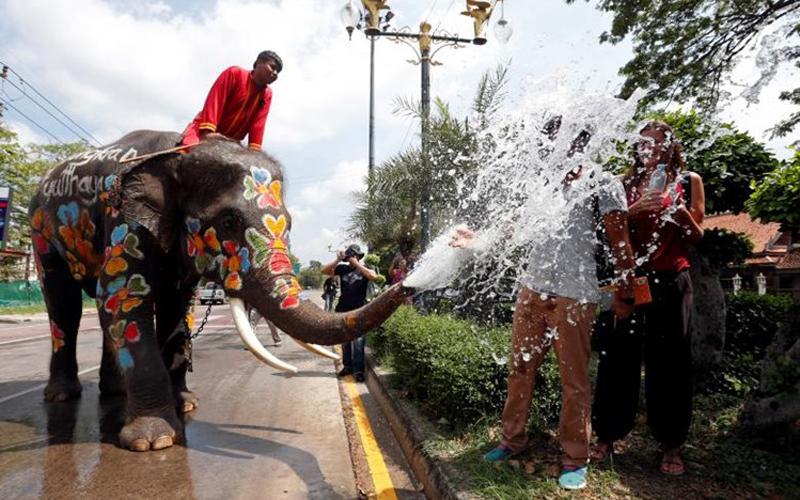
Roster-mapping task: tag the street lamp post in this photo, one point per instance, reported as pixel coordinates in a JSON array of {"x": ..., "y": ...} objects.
[{"x": 479, "y": 10}]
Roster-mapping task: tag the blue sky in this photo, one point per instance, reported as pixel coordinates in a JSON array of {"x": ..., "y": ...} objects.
[{"x": 116, "y": 66}]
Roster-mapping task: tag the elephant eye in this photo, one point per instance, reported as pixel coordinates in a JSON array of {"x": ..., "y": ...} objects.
[{"x": 228, "y": 222}]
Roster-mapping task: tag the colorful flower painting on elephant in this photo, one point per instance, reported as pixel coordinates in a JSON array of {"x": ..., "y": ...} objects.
[
  {"x": 122, "y": 242},
  {"x": 259, "y": 185},
  {"x": 124, "y": 296},
  {"x": 236, "y": 261},
  {"x": 57, "y": 336},
  {"x": 202, "y": 249},
  {"x": 76, "y": 232}
]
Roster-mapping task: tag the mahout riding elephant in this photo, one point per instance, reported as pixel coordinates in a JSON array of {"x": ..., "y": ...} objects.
[{"x": 138, "y": 236}]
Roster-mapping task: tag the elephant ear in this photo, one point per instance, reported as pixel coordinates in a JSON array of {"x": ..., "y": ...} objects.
[{"x": 148, "y": 197}]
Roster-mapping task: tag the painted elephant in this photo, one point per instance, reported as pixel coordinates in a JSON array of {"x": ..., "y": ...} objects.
[{"x": 138, "y": 237}]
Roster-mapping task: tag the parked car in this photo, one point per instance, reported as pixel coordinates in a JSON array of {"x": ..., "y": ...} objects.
[{"x": 212, "y": 293}]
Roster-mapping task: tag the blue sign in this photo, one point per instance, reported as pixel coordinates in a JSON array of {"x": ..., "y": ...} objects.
[{"x": 5, "y": 212}]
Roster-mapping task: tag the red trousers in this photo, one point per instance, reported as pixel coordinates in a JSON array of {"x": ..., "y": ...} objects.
[{"x": 565, "y": 324}]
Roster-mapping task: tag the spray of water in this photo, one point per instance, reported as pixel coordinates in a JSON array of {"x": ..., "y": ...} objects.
[{"x": 515, "y": 201}]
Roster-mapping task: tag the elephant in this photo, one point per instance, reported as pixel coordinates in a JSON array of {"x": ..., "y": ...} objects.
[{"x": 138, "y": 236}]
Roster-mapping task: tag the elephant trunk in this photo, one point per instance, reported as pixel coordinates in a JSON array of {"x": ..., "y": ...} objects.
[{"x": 306, "y": 322}]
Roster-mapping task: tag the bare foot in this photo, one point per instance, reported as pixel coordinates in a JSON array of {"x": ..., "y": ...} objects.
[
  {"x": 672, "y": 463},
  {"x": 599, "y": 451}
]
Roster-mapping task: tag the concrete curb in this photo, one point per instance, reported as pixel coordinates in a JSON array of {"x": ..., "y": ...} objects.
[{"x": 438, "y": 479}]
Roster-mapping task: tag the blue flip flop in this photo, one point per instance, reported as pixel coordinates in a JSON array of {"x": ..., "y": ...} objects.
[
  {"x": 498, "y": 455},
  {"x": 572, "y": 477}
]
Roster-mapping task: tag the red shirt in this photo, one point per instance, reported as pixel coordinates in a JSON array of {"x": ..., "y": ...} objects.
[
  {"x": 661, "y": 239},
  {"x": 235, "y": 107}
]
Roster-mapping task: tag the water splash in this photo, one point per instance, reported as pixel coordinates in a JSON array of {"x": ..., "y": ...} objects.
[{"x": 514, "y": 202}]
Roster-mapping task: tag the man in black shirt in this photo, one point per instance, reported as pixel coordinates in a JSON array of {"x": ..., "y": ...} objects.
[
  {"x": 329, "y": 292},
  {"x": 354, "y": 278}
]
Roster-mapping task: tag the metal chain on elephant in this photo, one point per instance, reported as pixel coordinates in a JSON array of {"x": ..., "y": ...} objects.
[{"x": 191, "y": 336}]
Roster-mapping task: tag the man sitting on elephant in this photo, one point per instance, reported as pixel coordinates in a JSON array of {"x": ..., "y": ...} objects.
[{"x": 237, "y": 104}]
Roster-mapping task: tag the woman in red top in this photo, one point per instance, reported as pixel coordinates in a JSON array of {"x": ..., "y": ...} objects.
[{"x": 666, "y": 207}]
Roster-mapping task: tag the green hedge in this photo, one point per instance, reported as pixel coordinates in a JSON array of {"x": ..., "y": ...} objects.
[
  {"x": 753, "y": 319},
  {"x": 456, "y": 369},
  {"x": 751, "y": 322}
]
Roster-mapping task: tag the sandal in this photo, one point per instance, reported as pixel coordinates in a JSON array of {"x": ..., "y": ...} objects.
[
  {"x": 600, "y": 451},
  {"x": 672, "y": 463}
]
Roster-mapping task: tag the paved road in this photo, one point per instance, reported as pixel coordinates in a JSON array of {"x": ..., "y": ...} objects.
[{"x": 256, "y": 434}]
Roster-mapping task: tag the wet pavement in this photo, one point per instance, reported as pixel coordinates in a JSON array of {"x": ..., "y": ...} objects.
[{"x": 257, "y": 433}]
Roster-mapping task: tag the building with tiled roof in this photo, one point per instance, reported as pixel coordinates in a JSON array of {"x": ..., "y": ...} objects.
[{"x": 771, "y": 257}]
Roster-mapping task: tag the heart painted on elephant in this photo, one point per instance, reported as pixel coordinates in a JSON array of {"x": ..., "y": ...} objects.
[
  {"x": 122, "y": 242},
  {"x": 259, "y": 185},
  {"x": 125, "y": 359},
  {"x": 202, "y": 249},
  {"x": 124, "y": 331},
  {"x": 236, "y": 260},
  {"x": 276, "y": 226},
  {"x": 106, "y": 197},
  {"x": 76, "y": 231},
  {"x": 125, "y": 296},
  {"x": 279, "y": 263},
  {"x": 287, "y": 289},
  {"x": 57, "y": 336}
]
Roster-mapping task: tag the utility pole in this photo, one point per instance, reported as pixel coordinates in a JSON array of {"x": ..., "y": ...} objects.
[{"x": 480, "y": 11}]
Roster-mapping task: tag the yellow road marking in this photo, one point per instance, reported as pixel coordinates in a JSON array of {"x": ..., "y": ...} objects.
[{"x": 377, "y": 467}]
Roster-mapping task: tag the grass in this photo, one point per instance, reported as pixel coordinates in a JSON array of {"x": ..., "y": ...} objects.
[
  {"x": 34, "y": 308},
  {"x": 719, "y": 462}
]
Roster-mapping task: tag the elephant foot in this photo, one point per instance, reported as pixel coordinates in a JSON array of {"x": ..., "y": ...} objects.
[
  {"x": 62, "y": 389},
  {"x": 185, "y": 401},
  {"x": 151, "y": 433}
]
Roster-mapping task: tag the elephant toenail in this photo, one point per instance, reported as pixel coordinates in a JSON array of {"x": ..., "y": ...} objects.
[
  {"x": 162, "y": 442},
  {"x": 140, "y": 444}
]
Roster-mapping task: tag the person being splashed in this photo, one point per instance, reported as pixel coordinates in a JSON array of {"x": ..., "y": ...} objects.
[
  {"x": 666, "y": 207},
  {"x": 556, "y": 306}
]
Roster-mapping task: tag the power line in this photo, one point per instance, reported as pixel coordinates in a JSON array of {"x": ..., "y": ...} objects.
[
  {"x": 445, "y": 15},
  {"x": 79, "y": 136},
  {"x": 31, "y": 120},
  {"x": 48, "y": 101},
  {"x": 431, "y": 11}
]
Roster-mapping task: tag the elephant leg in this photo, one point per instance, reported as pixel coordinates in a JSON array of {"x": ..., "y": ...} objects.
[
  {"x": 172, "y": 307},
  {"x": 127, "y": 313},
  {"x": 62, "y": 296},
  {"x": 110, "y": 378}
]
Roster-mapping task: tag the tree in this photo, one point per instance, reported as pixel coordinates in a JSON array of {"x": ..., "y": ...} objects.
[
  {"x": 386, "y": 217},
  {"x": 24, "y": 176},
  {"x": 727, "y": 159},
  {"x": 775, "y": 407},
  {"x": 683, "y": 50},
  {"x": 777, "y": 197}
]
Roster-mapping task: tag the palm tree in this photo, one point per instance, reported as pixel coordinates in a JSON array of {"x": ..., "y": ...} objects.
[{"x": 386, "y": 215}]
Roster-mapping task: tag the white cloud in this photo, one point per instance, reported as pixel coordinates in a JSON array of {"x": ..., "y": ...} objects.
[
  {"x": 26, "y": 135},
  {"x": 346, "y": 178}
]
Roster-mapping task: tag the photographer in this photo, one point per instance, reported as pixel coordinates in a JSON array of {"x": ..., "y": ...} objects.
[{"x": 354, "y": 278}]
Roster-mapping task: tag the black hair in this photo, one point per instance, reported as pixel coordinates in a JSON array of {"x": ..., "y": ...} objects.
[{"x": 267, "y": 55}]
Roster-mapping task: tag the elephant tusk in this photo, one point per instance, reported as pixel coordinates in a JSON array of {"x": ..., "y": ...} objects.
[
  {"x": 248, "y": 336},
  {"x": 318, "y": 350}
]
